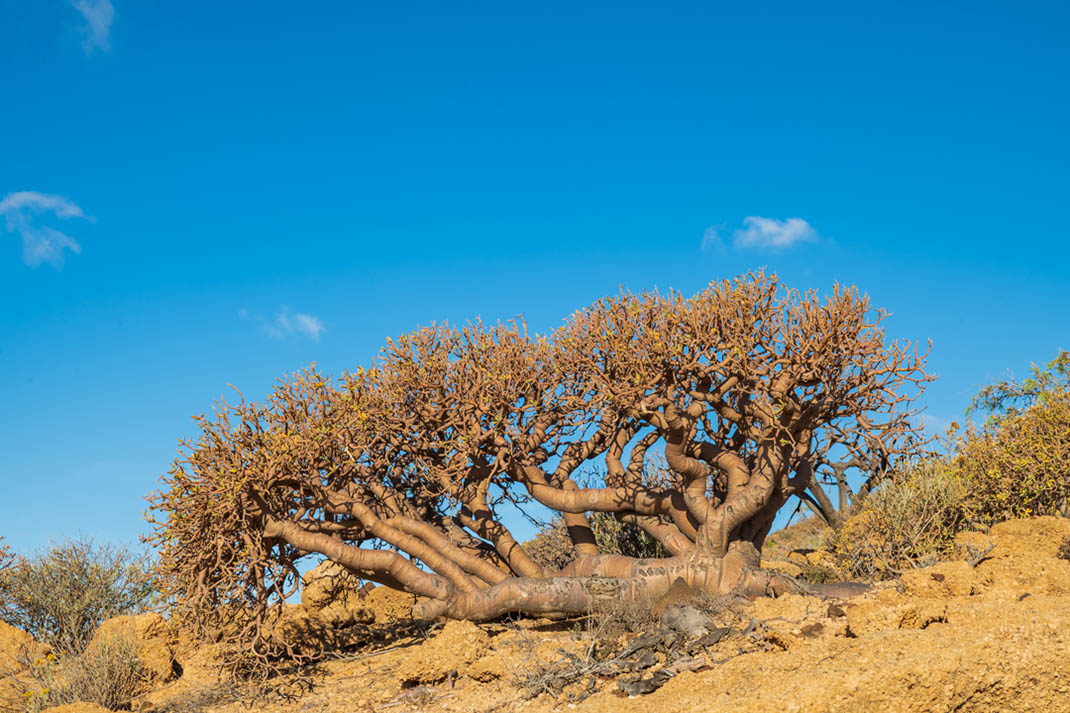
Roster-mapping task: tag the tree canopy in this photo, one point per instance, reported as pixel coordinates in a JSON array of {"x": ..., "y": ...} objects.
[{"x": 692, "y": 418}]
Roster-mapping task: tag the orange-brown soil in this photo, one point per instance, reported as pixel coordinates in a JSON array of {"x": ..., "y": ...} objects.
[{"x": 951, "y": 637}]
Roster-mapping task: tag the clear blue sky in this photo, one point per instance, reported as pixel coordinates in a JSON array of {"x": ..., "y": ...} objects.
[{"x": 364, "y": 168}]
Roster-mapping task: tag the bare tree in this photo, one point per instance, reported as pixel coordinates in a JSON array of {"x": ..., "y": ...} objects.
[{"x": 400, "y": 473}]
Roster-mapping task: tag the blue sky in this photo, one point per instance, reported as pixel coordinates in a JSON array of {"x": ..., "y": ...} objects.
[{"x": 195, "y": 194}]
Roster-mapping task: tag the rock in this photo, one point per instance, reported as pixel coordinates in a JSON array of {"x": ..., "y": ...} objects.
[
  {"x": 330, "y": 584},
  {"x": 331, "y": 589},
  {"x": 389, "y": 604},
  {"x": 17, "y": 649},
  {"x": 944, "y": 579},
  {"x": 152, "y": 636},
  {"x": 14, "y": 647},
  {"x": 450, "y": 652},
  {"x": 1030, "y": 537},
  {"x": 330, "y": 629},
  {"x": 890, "y": 611},
  {"x": 687, "y": 620}
]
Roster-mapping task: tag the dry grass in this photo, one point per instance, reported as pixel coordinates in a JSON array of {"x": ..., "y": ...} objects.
[{"x": 108, "y": 674}]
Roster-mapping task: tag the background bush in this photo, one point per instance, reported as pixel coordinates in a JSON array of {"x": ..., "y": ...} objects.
[
  {"x": 552, "y": 547},
  {"x": 1016, "y": 465},
  {"x": 909, "y": 521},
  {"x": 1019, "y": 465},
  {"x": 62, "y": 594}
]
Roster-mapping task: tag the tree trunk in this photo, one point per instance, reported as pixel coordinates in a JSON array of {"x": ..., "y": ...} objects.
[{"x": 592, "y": 581}]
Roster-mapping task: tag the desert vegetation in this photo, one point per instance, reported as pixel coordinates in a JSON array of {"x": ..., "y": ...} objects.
[
  {"x": 61, "y": 596},
  {"x": 401, "y": 472},
  {"x": 1012, "y": 465},
  {"x": 662, "y": 434}
]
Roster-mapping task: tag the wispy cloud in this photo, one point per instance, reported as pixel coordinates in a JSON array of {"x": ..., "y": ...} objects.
[
  {"x": 40, "y": 243},
  {"x": 935, "y": 425},
  {"x": 287, "y": 323},
  {"x": 762, "y": 233},
  {"x": 99, "y": 15}
]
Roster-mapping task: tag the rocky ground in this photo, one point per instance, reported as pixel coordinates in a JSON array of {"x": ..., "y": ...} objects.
[{"x": 956, "y": 636}]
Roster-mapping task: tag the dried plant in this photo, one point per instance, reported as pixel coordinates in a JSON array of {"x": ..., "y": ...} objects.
[
  {"x": 62, "y": 594},
  {"x": 108, "y": 674}
]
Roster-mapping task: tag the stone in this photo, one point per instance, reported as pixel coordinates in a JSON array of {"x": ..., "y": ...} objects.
[{"x": 151, "y": 634}]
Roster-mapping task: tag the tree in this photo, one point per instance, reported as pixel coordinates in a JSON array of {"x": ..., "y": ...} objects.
[
  {"x": 401, "y": 473},
  {"x": 1009, "y": 397}
]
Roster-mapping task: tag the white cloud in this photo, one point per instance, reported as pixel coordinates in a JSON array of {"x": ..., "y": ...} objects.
[
  {"x": 935, "y": 425},
  {"x": 99, "y": 15},
  {"x": 287, "y": 323},
  {"x": 763, "y": 233},
  {"x": 39, "y": 243},
  {"x": 711, "y": 239},
  {"x": 772, "y": 233}
]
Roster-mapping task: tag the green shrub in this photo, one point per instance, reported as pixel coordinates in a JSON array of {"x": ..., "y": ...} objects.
[
  {"x": 908, "y": 521},
  {"x": 1019, "y": 465},
  {"x": 107, "y": 673},
  {"x": 61, "y": 595}
]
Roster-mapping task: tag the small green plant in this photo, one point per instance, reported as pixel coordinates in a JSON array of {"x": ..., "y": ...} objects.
[
  {"x": 1064, "y": 549},
  {"x": 107, "y": 673},
  {"x": 62, "y": 594}
]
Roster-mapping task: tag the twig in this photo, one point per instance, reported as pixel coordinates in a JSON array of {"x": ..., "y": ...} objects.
[{"x": 979, "y": 557}]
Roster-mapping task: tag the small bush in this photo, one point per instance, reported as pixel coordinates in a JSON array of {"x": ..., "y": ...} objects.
[
  {"x": 552, "y": 547},
  {"x": 108, "y": 674},
  {"x": 1064, "y": 549},
  {"x": 910, "y": 520},
  {"x": 1020, "y": 465},
  {"x": 62, "y": 595}
]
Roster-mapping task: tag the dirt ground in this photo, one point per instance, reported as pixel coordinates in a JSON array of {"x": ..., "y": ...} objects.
[{"x": 951, "y": 637}]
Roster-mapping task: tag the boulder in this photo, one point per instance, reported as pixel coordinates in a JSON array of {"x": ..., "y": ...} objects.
[
  {"x": 389, "y": 604},
  {"x": 889, "y": 611},
  {"x": 17, "y": 649},
  {"x": 309, "y": 631},
  {"x": 330, "y": 584},
  {"x": 152, "y": 636}
]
